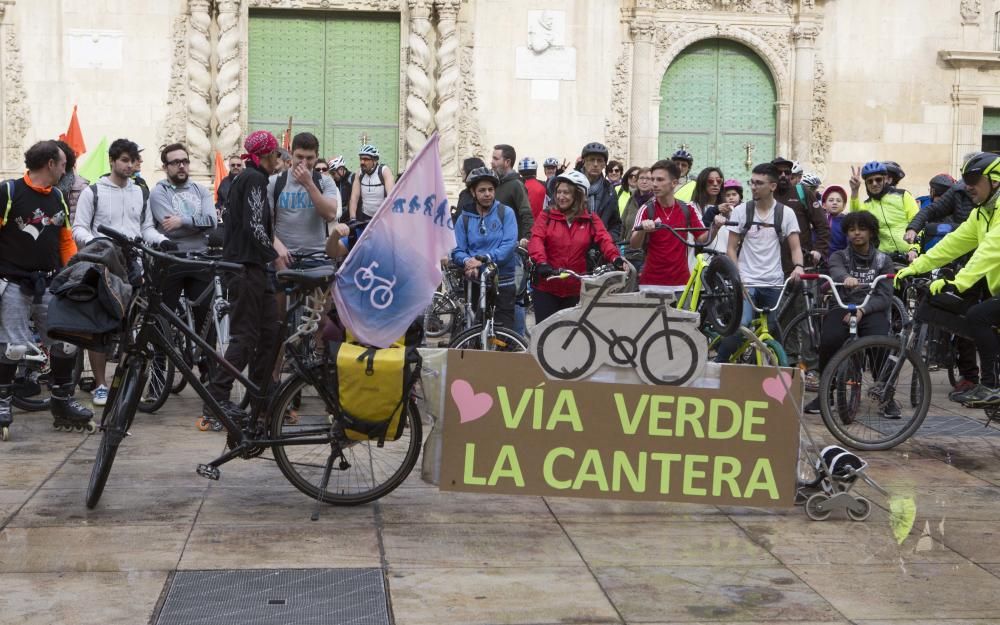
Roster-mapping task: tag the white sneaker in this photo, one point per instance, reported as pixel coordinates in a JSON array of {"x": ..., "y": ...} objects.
[{"x": 100, "y": 395}]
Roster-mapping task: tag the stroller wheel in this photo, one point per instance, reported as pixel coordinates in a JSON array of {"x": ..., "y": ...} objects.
[
  {"x": 816, "y": 508},
  {"x": 860, "y": 509}
]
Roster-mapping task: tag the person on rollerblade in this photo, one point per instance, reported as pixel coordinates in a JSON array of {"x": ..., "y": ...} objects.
[{"x": 36, "y": 240}]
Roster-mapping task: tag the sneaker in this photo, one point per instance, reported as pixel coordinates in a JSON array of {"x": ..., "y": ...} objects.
[
  {"x": 962, "y": 386},
  {"x": 978, "y": 396},
  {"x": 812, "y": 407},
  {"x": 892, "y": 410},
  {"x": 812, "y": 381},
  {"x": 100, "y": 395}
]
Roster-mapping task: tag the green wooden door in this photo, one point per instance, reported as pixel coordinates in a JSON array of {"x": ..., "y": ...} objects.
[
  {"x": 718, "y": 97},
  {"x": 336, "y": 75}
]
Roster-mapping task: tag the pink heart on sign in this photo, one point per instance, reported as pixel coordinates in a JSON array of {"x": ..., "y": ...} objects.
[
  {"x": 777, "y": 387},
  {"x": 471, "y": 405}
]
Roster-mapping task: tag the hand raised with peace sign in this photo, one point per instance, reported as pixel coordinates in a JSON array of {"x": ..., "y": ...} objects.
[{"x": 855, "y": 180}]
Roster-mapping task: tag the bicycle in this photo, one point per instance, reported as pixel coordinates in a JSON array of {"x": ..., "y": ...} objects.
[
  {"x": 298, "y": 449},
  {"x": 561, "y": 344},
  {"x": 446, "y": 311},
  {"x": 858, "y": 388},
  {"x": 485, "y": 335}
]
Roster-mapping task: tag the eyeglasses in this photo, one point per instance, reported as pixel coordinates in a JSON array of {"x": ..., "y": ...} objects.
[
  {"x": 615, "y": 170},
  {"x": 874, "y": 180},
  {"x": 758, "y": 183},
  {"x": 320, "y": 168},
  {"x": 634, "y": 176},
  {"x": 177, "y": 162}
]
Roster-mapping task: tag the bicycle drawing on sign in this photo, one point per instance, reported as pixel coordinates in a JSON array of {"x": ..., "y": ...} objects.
[
  {"x": 366, "y": 279},
  {"x": 641, "y": 331}
]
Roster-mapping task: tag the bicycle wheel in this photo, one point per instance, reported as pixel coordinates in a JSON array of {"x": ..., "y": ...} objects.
[
  {"x": 362, "y": 471},
  {"x": 859, "y": 386},
  {"x": 560, "y": 346},
  {"x": 774, "y": 356},
  {"x": 158, "y": 382},
  {"x": 441, "y": 316},
  {"x": 186, "y": 348},
  {"x": 680, "y": 362},
  {"x": 116, "y": 419},
  {"x": 800, "y": 338},
  {"x": 721, "y": 302},
  {"x": 503, "y": 340},
  {"x": 898, "y": 317}
]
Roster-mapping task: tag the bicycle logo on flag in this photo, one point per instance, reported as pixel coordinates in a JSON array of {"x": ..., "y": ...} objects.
[{"x": 381, "y": 288}]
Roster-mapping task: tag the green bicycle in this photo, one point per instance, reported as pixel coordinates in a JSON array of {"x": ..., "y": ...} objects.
[{"x": 759, "y": 334}]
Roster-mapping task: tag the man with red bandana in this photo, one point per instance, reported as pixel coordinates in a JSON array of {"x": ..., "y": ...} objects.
[{"x": 253, "y": 317}]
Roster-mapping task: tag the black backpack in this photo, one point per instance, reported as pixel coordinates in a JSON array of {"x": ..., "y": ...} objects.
[
  {"x": 779, "y": 215},
  {"x": 142, "y": 214}
]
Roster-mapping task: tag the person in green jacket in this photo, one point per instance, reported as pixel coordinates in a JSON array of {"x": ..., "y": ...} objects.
[
  {"x": 893, "y": 208},
  {"x": 980, "y": 235}
]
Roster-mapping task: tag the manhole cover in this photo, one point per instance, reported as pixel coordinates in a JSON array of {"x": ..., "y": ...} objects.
[
  {"x": 956, "y": 425},
  {"x": 276, "y": 597}
]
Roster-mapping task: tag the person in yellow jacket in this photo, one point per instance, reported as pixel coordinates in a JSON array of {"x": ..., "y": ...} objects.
[
  {"x": 892, "y": 207},
  {"x": 685, "y": 184},
  {"x": 979, "y": 234}
]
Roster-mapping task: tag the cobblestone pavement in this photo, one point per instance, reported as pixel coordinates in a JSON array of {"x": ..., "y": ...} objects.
[{"x": 464, "y": 559}]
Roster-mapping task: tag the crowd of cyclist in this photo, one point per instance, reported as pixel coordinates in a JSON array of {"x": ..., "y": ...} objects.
[{"x": 277, "y": 206}]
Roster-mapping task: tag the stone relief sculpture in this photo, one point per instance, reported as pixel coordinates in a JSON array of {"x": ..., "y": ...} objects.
[
  {"x": 199, "y": 86},
  {"x": 228, "y": 98},
  {"x": 419, "y": 121},
  {"x": 15, "y": 101},
  {"x": 541, "y": 35},
  {"x": 175, "y": 125},
  {"x": 822, "y": 132},
  {"x": 971, "y": 10},
  {"x": 616, "y": 126}
]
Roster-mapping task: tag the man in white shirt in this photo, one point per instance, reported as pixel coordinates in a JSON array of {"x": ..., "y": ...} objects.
[{"x": 755, "y": 247}]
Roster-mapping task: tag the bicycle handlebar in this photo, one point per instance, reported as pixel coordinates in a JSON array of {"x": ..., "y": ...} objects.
[
  {"x": 836, "y": 293},
  {"x": 562, "y": 274},
  {"x": 212, "y": 265}
]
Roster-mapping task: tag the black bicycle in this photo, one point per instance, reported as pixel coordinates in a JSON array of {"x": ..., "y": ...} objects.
[{"x": 317, "y": 454}]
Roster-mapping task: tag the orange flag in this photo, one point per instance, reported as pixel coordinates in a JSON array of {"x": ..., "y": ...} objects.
[
  {"x": 220, "y": 172},
  {"x": 74, "y": 136}
]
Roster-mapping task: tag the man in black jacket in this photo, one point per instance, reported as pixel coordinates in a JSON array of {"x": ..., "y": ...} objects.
[
  {"x": 235, "y": 167},
  {"x": 601, "y": 199},
  {"x": 253, "y": 317},
  {"x": 511, "y": 191}
]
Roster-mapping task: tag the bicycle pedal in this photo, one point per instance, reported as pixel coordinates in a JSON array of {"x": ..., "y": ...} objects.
[{"x": 209, "y": 472}]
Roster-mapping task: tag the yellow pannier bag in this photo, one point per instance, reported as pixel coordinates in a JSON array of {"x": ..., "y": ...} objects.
[{"x": 373, "y": 387}]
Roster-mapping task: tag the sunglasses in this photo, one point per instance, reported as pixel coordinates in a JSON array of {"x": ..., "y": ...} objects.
[
  {"x": 616, "y": 171},
  {"x": 321, "y": 168},
  {"x": 177, "y": 162},
  {"x": 874, "y": 180}
]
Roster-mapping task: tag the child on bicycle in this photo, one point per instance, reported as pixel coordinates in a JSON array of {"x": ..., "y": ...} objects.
[{"x": 859, "y": 263}]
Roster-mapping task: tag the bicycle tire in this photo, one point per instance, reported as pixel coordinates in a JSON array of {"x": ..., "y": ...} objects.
[
  {"x": 158, "y": 382},
  {"x": 796, "y": 340},
  {"x": 441, "y": 316},
  {"x": 721, "y": 301},
  {"x": 780, "y": 357},
  {"x": 898, "y": 317},
  {"x": 470, "y": 339},
  {"x": 32, "y": 403},
  {"x": 692, "y": 359},
  {"x": 545, "y": 361},
  {"x": 303, "y": 465},
  {"x": 185, "y": 347},
  {"x": 872, "y": 353},
  {"x": 115, "y": 422}
]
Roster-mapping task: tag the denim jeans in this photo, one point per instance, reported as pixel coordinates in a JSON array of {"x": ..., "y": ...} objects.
[{"x": 763, "y": 297}]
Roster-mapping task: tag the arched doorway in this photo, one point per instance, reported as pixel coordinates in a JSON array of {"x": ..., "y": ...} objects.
[{"x": 718, "y": 97}]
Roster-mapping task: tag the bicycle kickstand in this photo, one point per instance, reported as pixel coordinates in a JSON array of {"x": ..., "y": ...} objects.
[{"x": 322, "y": 487}]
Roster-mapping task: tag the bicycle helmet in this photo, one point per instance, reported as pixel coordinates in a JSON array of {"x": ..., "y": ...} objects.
[
  {"x": 732, "y": 183},
  {"x": 811, "y": 180},
  {"x": 368, "y": 150},
  {"x": 575, "y": 178},
  {"x": 682, "y": 155},
  {"x": 982, "y": 164},
  {"x": 873, "y": 168},
  {"x": 796, "y": 168},
  {"x": 895, "y": 171},
  {"x": 551, "y": 162},
  {"x": 337, "y": 162},
  {"x": 941, "y": 183},
  {"x": 527, "y": 164},
  {"x": 479, "y": 174},
  {"x": 594, "y": 148}
]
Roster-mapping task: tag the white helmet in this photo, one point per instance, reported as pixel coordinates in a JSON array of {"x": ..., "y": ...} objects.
[
  {"x": 811, "y": 180},
  {"x": 336, "y": 162},
  {"x": 796, "y": 168},
  {"x": 368, "y": 150},
  {"x": 551, "y": 162},
  {"x": 576, "y": 178}
]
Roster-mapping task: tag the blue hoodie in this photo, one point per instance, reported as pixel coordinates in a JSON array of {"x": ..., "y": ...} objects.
[{"x": 488, "y": 236}]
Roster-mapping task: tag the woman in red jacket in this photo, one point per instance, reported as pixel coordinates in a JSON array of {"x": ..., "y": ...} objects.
[{"x": 560, "y": 238}]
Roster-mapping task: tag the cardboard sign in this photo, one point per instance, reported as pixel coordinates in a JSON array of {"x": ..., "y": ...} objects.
[{"x": 509, "y": 430}]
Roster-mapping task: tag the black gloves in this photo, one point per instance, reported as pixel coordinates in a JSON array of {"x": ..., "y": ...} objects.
[
  {"x": 166, "y": 245},
  {"x": 619, "y": 263},
  {"x": 544, "y": 270}
]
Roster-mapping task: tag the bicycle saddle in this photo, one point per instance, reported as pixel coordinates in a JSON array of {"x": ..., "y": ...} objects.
[{"x": 318, "y": 277}]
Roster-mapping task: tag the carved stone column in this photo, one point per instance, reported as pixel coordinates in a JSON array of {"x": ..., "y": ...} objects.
[
  {"x": 15, "y": 100},
  {"x": 448, "y": 86},
  {"x": 228, "y": 69},
  {"x": 419, "y": 120},
  {"x": 804, "y": 36},
  {"x": 199, "y": 104},
  {"x": 642, "y": 143}
]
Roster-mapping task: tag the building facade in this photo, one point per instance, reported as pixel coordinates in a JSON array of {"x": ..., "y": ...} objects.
[{"x": 832, "y": 83}]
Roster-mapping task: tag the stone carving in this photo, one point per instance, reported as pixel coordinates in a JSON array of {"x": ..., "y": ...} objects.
[
  {"x": 175, "y": 126},
  {"x": 15, "y": 101},
  {"x": 743, "y": 6},
  {"x": 971, "y": 10},
  {"x": 779, "y": 41},
  {"x": 616, "y": 126},
  {"x": 449, "y": 76},
  {"x": 345, "y": 5},
  {"x": 808, "y": 32},
  {"x": 199, "y": 85},
  {"x": 470, "y": 135},
  {"x": 541, "y": 33},
  {"x": 822, "y": 132},
  {"x": 419, "y": 120},
  {"x": 808, "y": 5},
  {"x": 228, "y": 97}
]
